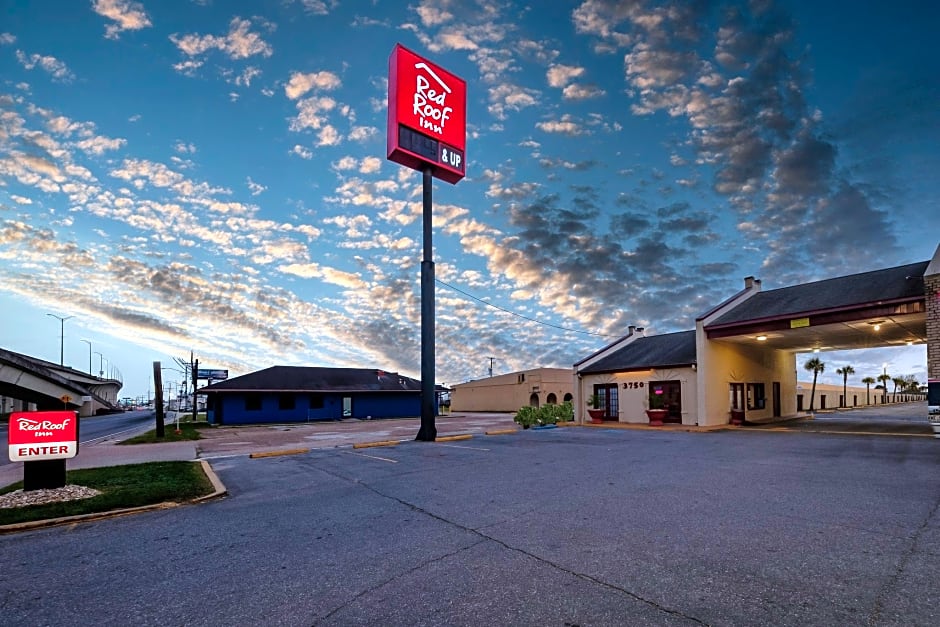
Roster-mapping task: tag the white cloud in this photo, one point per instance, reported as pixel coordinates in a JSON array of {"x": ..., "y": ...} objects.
[
  {"x": 7, "y": 39},
  {"x": 126, "y": 14},
  {"x": 302, "y": 152},
  {"x": 58, "y": 69},
  {"x": 21, "y": 200},
  {"x": 311, "y": 113},
  {"x": 299, "y": 83},
  {"x": 238, "y": 43},
  {"x": 329, "y": 136},
  {"x": 188, "y": 68},
  {"x": 561, "y": 75},
  {"x": 255, "y": 188},
  {"x": 510, "y": 97},
  {"x": 565, "y": 126},
  {"x": 370, "y": 165},
  {"x": 433, "y": 15},
  {"x": 362, "y": 133},
  {"x": 581, "y": 92},
  {"x": 98, "y": 145}
]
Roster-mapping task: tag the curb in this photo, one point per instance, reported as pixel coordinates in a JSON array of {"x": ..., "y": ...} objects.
[
  {"x": 501, "y": 432},
  {"x": 454, "y": 438},
  {"x": 293, "y": 451},
  {"x": 219, "y": 491},
  {"x": 375, "y": 444}
]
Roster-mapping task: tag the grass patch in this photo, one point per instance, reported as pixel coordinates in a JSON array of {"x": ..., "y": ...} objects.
[
  {"x": 132, "y": 485},
  {"x": 188, "y": 431}
]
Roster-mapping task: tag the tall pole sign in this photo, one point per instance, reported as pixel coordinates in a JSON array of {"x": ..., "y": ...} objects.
[{"x": 427, "y": 131}]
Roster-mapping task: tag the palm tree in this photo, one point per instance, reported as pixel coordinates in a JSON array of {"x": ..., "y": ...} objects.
[
  {"x": 868, "y": 381},
  {"x": 883, "y": 378},
  {"x": 897, "y": 381},
  {"x": 815, "y": 366},
  {"x": 845, "y": 372}
]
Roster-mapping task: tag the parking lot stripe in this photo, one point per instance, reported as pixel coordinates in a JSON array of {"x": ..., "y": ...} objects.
[
  {"x": 384, "y": 459},
  {"x": 473, "y": 448}
]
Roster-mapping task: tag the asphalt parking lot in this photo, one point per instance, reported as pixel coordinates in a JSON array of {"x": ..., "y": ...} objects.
[{"x": 571, "y": 526}]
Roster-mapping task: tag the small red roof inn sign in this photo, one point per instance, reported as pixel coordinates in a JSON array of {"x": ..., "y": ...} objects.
[
  {"x": 40, "y": 435},
  {"x": 427, "y": 116}
]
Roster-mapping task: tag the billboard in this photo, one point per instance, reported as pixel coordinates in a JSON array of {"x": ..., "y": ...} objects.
[
  {"x": 40, "y": 435},
  {"x": 427, "y": 116},
  {"x": 212, "y": 373}
]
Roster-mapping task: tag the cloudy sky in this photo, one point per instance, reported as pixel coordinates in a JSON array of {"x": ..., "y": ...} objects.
[{"x": 210, "y": 176}]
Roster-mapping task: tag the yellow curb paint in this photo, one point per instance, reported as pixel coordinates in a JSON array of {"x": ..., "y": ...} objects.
[
  {"x": 374, "y": 444},
  {"x": 293, "y": 451},
  {"x": 454, "y": 438},
  {"x": 502, "y": 432},
  {"x": 218, "y": 487}
]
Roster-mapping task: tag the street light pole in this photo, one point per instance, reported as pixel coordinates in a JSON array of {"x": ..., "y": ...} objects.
[
  {"x": 61, "y": 336},
  {"x": 100, "y": 365},
  {"x": 89, "y": 355}
]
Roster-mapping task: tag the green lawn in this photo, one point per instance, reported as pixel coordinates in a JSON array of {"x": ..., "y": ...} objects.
[
  {"x": 188, "y": 431},
  {"x": 120, "y": 486}
]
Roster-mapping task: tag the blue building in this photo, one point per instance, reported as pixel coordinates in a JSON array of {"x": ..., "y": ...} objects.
[{"x": 300, "y": 394}]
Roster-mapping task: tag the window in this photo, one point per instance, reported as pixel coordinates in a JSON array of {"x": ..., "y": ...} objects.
[
  {"x": 756, "y": 397},
  {"x": 286, "y": 402},
  {"x": 252, "y": 402},
  {"x": 551, "y": 399},
  {"x": 520, "y": 378}
]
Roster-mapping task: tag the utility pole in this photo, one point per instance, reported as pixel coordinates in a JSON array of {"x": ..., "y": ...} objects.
[
  {"x": 89, "y": 355},
  {"x": 492, "y": 359},
  {"x": 61, "y": 336}
]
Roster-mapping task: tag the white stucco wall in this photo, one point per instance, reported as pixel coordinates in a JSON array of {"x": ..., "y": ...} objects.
[
  {"x": 633, "y": 389},
  {"x": 724, "y": 363}
]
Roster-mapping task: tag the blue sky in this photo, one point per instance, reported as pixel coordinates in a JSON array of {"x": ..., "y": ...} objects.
[{"x": 210, "y": 176}]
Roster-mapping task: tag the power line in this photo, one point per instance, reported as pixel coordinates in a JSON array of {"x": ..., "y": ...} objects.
[{"x": 518, "y": 315}]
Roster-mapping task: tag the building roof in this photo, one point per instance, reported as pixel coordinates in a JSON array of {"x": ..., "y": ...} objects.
[
  {"x": 902, "y": 283},
  {"x": 669, "y": 350},
  {"x": 310, "y": 379}
]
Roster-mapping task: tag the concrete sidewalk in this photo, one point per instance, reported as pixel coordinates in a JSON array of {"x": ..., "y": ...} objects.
[{"x": 111, "y": 454}]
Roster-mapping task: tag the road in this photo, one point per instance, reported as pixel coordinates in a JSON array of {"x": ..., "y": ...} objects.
[
  {"x": 95, "y": 429},
  {"x": 576, "y": 526}
]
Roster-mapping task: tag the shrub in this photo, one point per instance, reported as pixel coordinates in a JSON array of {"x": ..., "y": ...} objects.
[{"x": 527, "y": 416}]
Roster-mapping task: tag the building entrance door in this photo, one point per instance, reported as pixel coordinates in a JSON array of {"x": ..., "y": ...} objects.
[{"x": 671, "y": 394}]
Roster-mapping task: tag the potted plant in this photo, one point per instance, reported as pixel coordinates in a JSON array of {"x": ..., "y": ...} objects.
[
  {"x": 595, "y": 410},
  {"x": 656, "y": 409}
]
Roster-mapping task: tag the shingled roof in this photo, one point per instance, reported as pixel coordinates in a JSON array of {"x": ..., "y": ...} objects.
[
  {"x": 312, "y": 379},
  {"x": 669, "y": 350},
  {"x": 899, "y": 284}
]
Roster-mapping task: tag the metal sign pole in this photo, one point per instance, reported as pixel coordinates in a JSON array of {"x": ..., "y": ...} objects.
[{"x": 428, "y": 431}]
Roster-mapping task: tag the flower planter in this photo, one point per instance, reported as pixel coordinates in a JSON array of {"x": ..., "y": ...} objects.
[
  {"x": 597, "y": 415},
  {"x": 656, "y": 416}
]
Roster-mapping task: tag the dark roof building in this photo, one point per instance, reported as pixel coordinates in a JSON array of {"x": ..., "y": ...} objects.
[
  {"x": 300, "y": 394},
  {"x": 669, "y": 350}
]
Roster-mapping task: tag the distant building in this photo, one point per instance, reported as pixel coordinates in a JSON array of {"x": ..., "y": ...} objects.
[
  {"x": 509, "y": 392},
  {"x": 299, "y": 394}
]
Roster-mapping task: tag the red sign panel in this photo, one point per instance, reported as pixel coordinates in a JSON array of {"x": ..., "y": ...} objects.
[
  {"x": 427, "y": 116},
  {"x": 39, "y": 435}
]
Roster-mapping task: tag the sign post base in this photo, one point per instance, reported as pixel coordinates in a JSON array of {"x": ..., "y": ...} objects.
[{"x": 44, "y": 475}]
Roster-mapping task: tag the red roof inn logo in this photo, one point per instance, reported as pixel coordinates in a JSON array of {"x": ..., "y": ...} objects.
[
  {"x": 40, "y": 435},
  {"x": 427, "y": 116}
]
